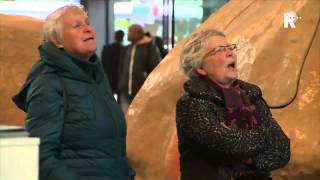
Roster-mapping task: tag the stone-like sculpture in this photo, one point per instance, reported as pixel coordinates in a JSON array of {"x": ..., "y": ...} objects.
[{"x": 20, "y": 37}]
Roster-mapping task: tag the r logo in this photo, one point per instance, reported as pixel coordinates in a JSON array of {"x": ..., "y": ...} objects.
[{"x": 289, "y": 19}]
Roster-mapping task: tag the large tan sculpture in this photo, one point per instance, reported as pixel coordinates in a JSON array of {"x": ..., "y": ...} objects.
[
  {"x": 285, "y": 63},
  {"x": 19, "y": 39}
]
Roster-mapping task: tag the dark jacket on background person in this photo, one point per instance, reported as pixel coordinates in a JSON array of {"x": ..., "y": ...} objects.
[
  {"x": 157, "y": 41},
  {"x": 89, "y": 140},
  {"x": 208, "y": 150},
  {"x": 110, "y": 59},
  {"x": 145, "y": 60}
]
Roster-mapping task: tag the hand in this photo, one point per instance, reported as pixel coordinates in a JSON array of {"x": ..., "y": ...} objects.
[
  {"x": 241, "y": 170},
  {"x": 238, "y": 173},
  {"x": 249, "y": 162},
  {"x": 232, "y": 126},
  {"x": 224, "y": 125}
]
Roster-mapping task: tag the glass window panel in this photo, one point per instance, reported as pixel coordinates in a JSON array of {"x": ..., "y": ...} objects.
[{"x": 34, "y": 8}]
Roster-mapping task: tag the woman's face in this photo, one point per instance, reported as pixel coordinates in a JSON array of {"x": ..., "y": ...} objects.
[
  {"x": 220, "y": 62},
  {"x": 79, "y": 38}
]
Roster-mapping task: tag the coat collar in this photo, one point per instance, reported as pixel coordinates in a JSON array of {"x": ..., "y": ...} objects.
[
  {"x": 61, "y": 61},
  {"x": 200, "y": 88}
]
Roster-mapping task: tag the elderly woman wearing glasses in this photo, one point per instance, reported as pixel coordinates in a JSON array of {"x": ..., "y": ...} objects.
[{"x": 225, "y": 128}]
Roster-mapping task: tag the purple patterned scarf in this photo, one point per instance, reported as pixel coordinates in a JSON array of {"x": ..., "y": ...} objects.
[{"x": 240, "y": 113}]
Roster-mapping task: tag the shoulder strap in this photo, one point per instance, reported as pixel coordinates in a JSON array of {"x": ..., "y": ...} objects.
[{"x": 65, "y": 92}]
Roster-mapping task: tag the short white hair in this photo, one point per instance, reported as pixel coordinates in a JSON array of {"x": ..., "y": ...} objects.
[
  {"x": 52, "y": 28},
  {"x": 193, "y": 51}
]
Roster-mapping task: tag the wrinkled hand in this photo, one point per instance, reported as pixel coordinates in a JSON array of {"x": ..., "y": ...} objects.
[
  {"x": 232, "y": 126},
  {"x": 241, "y": 170},
  {"x": 249, "y": 162},
  {"x": 224, "y": 125}
]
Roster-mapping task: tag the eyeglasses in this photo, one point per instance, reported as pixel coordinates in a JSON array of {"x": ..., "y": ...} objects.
[{"x": 220, "y": 49}]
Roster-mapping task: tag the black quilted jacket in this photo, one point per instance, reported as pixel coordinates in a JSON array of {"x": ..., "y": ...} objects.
[{"x": 208, "y": 151}]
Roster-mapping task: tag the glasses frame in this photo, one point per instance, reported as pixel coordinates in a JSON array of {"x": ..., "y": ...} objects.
[{"x": 220, "y": 49}]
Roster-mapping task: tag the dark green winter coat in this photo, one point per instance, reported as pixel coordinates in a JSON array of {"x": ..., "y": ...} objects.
[{"x": 70, "y": 106}]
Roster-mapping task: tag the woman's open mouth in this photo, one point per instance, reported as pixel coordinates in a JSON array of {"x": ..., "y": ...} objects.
[
  {"x": 88, "y": 39},
  {"x": 232, "y": 65}
]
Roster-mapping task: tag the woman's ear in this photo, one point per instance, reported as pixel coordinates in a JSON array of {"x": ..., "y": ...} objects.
[
  {"x": 201, "y": 71},
  {"x": 56, "y": 43},
  {"x": 59, "y": 45}
]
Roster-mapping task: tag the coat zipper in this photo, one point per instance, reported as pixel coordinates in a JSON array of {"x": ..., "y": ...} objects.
[{"x": 115, "y": 126}]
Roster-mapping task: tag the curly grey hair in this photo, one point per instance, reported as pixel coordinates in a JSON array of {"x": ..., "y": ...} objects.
[
  {"x": 191, "y": 57},
  {"x": 52, "y": 28}
]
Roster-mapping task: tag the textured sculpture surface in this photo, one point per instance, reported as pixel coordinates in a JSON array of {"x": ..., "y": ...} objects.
[{"x": 19, "y": 39}]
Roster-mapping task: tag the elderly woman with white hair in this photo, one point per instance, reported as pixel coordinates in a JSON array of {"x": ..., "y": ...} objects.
[
  {"x": 70, "y": 106},
  {"x": 225, "y": 128}
]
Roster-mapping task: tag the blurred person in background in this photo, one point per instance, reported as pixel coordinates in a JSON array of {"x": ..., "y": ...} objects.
[
  {"x": 137, "y": 62},
  {"x": 110, "y": 58},
  {"x": 158, "y": 42}
]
